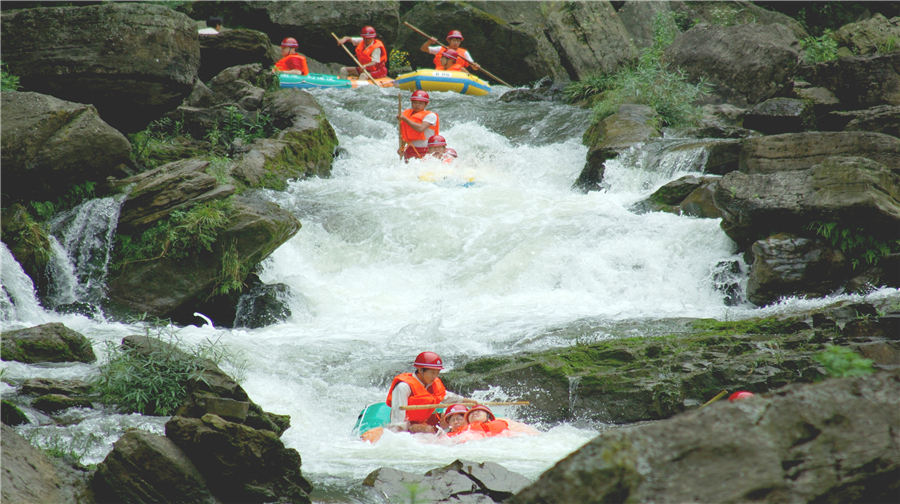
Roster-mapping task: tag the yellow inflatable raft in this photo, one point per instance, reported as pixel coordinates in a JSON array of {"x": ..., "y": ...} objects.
[{"x": 442, "y": 80}]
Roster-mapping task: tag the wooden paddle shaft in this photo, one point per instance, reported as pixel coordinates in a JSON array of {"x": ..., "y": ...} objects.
[
  {"x": 431, "y": 406},
  {"x": 399, "y": 122},
  {"x": 420, "y": 32},
  {"x": 354, "y": 58}
]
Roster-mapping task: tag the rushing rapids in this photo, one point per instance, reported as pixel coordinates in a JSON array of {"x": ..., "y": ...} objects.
[{"x": 483, "y": 261}]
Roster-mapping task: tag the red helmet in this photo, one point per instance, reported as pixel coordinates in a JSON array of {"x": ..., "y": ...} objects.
[
  {"x": 454, "y": 34},
  {"x": 429, "y": 360},
  {"x": 452, "y": 153},
  {"x": 420, "y": 96},
  {"x": 740, "y": 395},
  {"x": 455, "y": 409},
  {"x": 451, "y": 54},
  {"x": 289, "y": 42},
  {"x": 367, "y": 32},
  {"x": 436, "y": 141},
  {"x": 484, "y": 408}
]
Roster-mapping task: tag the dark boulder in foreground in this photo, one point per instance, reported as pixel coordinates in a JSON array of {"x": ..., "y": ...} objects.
[
  {"x": 461, "y": 481},
  {"x": 834, "y": 441},
  {"x": 232, "y": 48},
  {"x": 133, "y": 61},
  {"x": 28, "y": 475}
]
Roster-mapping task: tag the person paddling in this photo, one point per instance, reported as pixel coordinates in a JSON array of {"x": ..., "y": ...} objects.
[
  {"x": 416, "y": 126},
  {"x": 420, "y": 387},
  {"x": 291, "y": 61},
  {"x": 371, "y": 54},
  {"x": 454, "y": 39}
]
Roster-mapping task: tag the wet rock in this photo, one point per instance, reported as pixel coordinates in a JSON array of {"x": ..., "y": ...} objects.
[
  {"x": 11, "y": 415},
  {"x": 887, "y": 274},
  {"x": 712, "y": 129},
  {"x": 54, "y": 403},
  {"x": 240, "y": 464},
  {"x": 727, "y": 115},
  {"x": 688, "y": 195},
  {"x": 589, "y": 38},
  {"x": 868, "y": 35},
  {"x": 241, "y": 85},
  {"x": 746, "y": 64},
  {"x": 860, "y": 82},
  {"x": 492, "y": 479},
  {"x": 823, "y": 100},
  {"x": 28, "y": 242},
  {"x": 134, "y": 62},
  {"x": 42, "y": 386},
  {"x": 51, "y": 342},
  {"x": 630, "y": 126},
  {"x": 461, "y": 481},
  {"x": 781, "y": 115},
  {"x": 50, "y": 145},
  {"x": 232, "y": 48},
  {"x": 144, "y": 467},
  {"x": 799, "y": 151},
  {"x": 853, "y": 192},
  {"x": 884, "y": 119},
  {"x": 264, "y": 305},
  {"x": 28, "y": 475},
  {"x": 789, "y": 265},
  {"x": 766, "y": 449}
]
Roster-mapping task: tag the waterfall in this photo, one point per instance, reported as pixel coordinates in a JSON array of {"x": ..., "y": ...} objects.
[
  {"x": 18, "y": 302},
  {"x": 85, "y": 245}
]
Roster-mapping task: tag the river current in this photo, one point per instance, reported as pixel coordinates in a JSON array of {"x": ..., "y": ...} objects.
[{"x": 483, "y": 257}]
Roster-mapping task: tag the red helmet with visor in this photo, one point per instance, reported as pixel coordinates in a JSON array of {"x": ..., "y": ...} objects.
[{"x": 428, "y": 360}]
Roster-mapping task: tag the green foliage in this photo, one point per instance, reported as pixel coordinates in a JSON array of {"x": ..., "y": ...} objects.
[
  {"x": 842, "y": 362},
  {"x": 727, "y": 16},
  {"x": 819, "y": 17},
  {"x": 890, "y": 44},
  {"x": 232, "y": 274},
  {"x": 183, "y": 234},
  {"x": 77, "y": 194},
  {"x": 237, "y": 126},
  {"x": 648, "y": 82},
  {"x": 819, "y": 49},
  {"x": 154, "y": 382},
  {"x": 8, "y": 82},
  {"x": 398, "y": 59},
  {"x": 159, "y": 133},
  {"x": 856, "y": 243}
]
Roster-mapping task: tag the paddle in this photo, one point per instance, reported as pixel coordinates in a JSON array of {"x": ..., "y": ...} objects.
[
  {"x": 420, "y": 32},
  {"x": 714, "y": 399},
  {"x": 354, "y": 59},
  {"x": 400, "y": 123},
  {"x": 431, "y": 406}
]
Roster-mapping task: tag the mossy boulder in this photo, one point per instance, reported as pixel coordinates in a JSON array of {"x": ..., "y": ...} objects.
[
  {"x": 871, "y": 35},
  {"x": 28, "y": 242},
  {"x": 11, "y": 415},
  {"x": 51, "y": 342},
  {"x": 54, "y": 403}
]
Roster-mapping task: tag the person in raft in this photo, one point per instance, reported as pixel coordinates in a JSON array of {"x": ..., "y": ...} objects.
[
  {"x": 371, "y": 54},
  {"x": 450, "y": 61},
  {"x": 213, "y": 26},
  {"x": 419, "y": 388},
  {"x": 454, "y": 417},
  {"x": 481, "y": 421},
  {"x": 416, "y": 126},
  {"x": 454, "y": 38},
  {"x": 437, "y": 147},
  {"x": 291, "y": 61}
]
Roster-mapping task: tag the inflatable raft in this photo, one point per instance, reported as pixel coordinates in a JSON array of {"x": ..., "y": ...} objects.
[
  {"x": 314, "y": 80},
  {"x": 441, "y": 80}
]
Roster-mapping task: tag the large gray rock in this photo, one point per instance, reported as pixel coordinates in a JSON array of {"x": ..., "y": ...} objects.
[
  {"x": 781, "y": 115},
  {"x": 630, "y": 126},
  {"x": 868, "y": 35},
  {"x": 735, "y": 12},
  {"x": 746, "y": 64},
  {"x": 132, "y": 61},
  {"x": 799, "y": 151},
  {"x": 589, "y": 38},
  {"x": 233, "y": 48},
  {"x": 241, "y": 464},
  {"x": 860, "y": 81},
  {"x": 148, "y": 468},
  {"x": 688, "y": 195},
  {"x": 461, "y": 481},
  {"x": 50, "y": 145},
  {"x": 163, "y": 286},
  {"x": 638, "y": 18},
  {"x": 28, "y": 475},
  {"x": 51, "y": 342},
  {"x": 833, "y": 441},
  {"x": 853, "y": 192},
  {"x": 884, "y": 119},
  {"x": 789, "y": 265}
]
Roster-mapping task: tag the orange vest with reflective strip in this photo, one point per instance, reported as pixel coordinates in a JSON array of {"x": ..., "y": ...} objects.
[
  {"x": 410, "y": 134},
  {"x": 364, "y": 54},
  {"x": 282, "y": 64},
  {"x": 419, "y": 395},
  {"x": 460, "y": 63}
]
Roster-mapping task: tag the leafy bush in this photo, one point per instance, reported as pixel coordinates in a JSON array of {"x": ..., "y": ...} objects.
[
  {"x": 76, "y": 195},
  {"x": 8, "y": 82},
  {"x": 648, "y": 82},
  {"x": 890, "y": 44},
  {"x": 154, "y": 383},
  {"x": 856, "y": 243},
  {"x": 398, "y": 59},
  {"x": 842, "y": 362},
  {"x": 239, "y": 127},
  {"x": 819, "y": 49}
]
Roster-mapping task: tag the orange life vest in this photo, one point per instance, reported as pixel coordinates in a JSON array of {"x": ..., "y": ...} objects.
[
  {"x": 364, "y": 55},
  {"x": 434, "y": 394},
  {"x": 486, "y": 429},
  {"x": 283, "y": 64},
  {"x": 410, "y": 134},
  {"x": 461, "y": 63}
]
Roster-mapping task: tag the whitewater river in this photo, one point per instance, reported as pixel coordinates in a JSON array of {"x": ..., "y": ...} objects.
[{"x": 483, "y": 261}]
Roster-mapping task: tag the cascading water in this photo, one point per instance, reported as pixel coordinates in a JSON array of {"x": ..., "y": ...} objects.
[
  {"x": 18, "y": 302},
  {"x": 488, "y": 256}
]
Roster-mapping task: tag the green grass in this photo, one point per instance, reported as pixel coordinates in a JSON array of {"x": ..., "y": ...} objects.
[
  {"x": 842, "y": 362},
  {"x": 8, "y": 82},
  {"x": 819, "y": 49}
]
